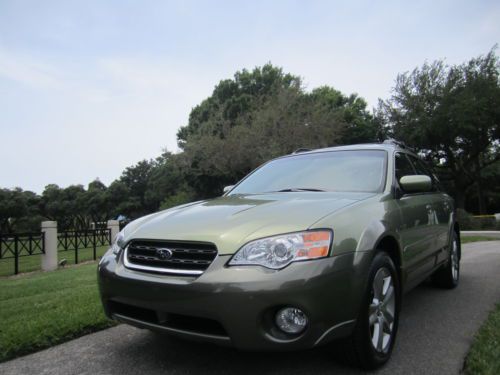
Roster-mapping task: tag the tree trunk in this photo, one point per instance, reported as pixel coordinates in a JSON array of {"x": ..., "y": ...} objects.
[
  {"x": 481, "y": 203},
  {"x": 460, "y": 198}
]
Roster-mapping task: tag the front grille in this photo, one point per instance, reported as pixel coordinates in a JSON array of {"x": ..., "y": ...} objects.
[{"x": 185, "y": 258}]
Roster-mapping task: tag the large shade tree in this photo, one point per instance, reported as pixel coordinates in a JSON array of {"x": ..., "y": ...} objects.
[
  {"x": 451, "y": 115},
  {"x": 261, "y": 114}
]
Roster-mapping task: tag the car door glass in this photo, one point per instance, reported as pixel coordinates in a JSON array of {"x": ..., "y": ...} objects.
[
  {"x": 422, "y": 169},
  {"x": 403, "y": 166}
]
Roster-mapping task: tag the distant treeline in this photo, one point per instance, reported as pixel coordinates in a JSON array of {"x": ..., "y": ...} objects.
[{"x": 449, "y": 114}]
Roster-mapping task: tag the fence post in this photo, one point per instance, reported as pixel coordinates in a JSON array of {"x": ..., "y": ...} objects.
[
  {"x": 94, "y": 244},
  {"x": 16, "y": 255},
  {"x": 114, "y": 227},
  {"x": 49, "y": 259},
  {"x": 76, "y": 246}
]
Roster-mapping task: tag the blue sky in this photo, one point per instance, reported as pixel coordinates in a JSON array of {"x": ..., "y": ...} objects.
[{"x": 88, "y": 88}]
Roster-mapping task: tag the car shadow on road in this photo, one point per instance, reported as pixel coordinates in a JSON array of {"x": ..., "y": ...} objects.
[
  {"x": 159, "y": 352},
  {"x": 203, "y": 358}
]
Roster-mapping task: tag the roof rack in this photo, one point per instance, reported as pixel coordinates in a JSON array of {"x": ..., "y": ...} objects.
[
  {"x": 395, "y": 142},
  {"x": 299, "y": 150}
]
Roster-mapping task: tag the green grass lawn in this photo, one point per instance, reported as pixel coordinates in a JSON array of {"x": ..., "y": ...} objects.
[
  {"x": 46, "y": 308},
  {"x": 33, "y": 262},
  {"x": 484, "y": 355},
  {"x": 477, "y": 239}
]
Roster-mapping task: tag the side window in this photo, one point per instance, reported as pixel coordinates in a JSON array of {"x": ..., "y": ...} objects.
[
  {"x": 421, "y": 168},
  {"x": 403, "y": 166}
]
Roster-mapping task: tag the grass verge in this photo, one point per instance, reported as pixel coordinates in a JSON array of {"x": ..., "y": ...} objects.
[
  {"x": 34, "y": 262},
  {"x": 477, "y": 239},
  {"x": 484, "y": 355},
  {"x": 44, "y": 309}
]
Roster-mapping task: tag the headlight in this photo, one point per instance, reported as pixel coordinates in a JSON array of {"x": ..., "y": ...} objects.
[
  {"x": 279, "y": 251},
  {"x": 119, "y": 243}
]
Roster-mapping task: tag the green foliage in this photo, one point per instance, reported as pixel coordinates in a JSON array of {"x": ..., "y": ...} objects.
[
  {"x": 470, "y": 222},
  {"x": 469, "y": 239},
  {"x": 177, "y": 199},
  {"x": 233, "y": 99},
  {"x": 451, "y": 114},
  {"x": 484, "y": 355},
  {"x": 19, "y": 210},
  {"x": 260, "y": 115}
]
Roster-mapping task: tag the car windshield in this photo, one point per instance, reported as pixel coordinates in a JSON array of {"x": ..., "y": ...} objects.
[{"x": 353, "y": 171}]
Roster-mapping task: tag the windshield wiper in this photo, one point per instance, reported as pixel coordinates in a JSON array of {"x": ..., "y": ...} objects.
[{"x": 288, "y": 190}]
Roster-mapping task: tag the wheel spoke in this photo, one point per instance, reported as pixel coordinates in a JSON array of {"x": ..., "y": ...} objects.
[
  {"x": 380, "y": 338},
  {"x": 388, "y": 297},
  {"x": 455, "y": 265},
  {"x": 387, "y": 285},
  {"x": 377, "y": 333},
  {"x": 378, "y": 285},
  {"x": 372, "y": 313}
]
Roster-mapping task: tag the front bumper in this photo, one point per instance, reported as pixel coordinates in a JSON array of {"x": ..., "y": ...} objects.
[{"x": 238, "y": 303}]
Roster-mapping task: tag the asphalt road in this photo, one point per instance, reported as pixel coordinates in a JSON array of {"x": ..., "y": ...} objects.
[{"x": 436, "y": 330}]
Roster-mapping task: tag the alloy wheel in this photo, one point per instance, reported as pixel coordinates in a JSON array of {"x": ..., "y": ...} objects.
[
  {"x": 454, "y": 260},
  {"x": 382, "y": 310}
]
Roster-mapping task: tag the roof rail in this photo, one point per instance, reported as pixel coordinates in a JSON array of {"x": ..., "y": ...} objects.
[
  {"x": 299, "y": 150},
  {"x": 395, "y": 142}
]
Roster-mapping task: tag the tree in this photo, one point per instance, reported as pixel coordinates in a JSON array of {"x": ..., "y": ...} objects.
[
  {"x": 65, "y": 205},
  {"x": 136, "y": 180},
  {"x": 19, "y": 211},
  {"x": 260, "y": 115},
  {"x": 233, "y": 98},
  {"x": 451, "y": 114},
  {"x": 95, "y": 203}
]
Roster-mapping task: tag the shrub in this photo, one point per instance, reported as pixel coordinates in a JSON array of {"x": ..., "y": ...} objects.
[{"x": 470, "y": 222}]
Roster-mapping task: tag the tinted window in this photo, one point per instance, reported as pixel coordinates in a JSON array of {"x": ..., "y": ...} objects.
[
  {"x": 356, "y": 171},
  {"x": 403, "y": 166},
  {"x": 421, "y": 168}
]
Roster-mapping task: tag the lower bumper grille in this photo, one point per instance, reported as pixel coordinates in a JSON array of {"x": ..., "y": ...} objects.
[
  {"x": 185, "y": 323},
  {"x": 184, "y": 258}
]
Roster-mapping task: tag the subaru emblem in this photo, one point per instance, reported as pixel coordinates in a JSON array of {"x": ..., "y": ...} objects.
[{"x": 164, "y": 253}]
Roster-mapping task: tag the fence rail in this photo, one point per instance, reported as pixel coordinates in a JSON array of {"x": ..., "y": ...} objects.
[
  {"x": 21, "y": 245},
  {"x": 83, "y": 239},
  {"x": 41, "y": 251}
]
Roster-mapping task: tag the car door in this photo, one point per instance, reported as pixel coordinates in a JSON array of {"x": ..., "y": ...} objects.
[
  {"x": 417, "y": 224},
  {"x": 439, "y": 209}
]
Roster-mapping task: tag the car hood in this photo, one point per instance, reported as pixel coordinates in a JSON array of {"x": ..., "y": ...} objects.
[{"x": 231, "y": 221}]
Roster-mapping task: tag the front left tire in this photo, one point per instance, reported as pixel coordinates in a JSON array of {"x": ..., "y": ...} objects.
[{"x": 372, "y": 341}]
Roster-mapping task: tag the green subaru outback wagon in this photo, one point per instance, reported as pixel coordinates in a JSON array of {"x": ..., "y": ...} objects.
[{"x": 309, "y": 248}]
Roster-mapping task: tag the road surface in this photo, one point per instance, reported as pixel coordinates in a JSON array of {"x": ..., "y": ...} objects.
[{"x": 436, "y": 330}]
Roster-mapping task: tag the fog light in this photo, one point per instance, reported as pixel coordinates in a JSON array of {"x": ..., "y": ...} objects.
[{"x": 291, "y": 320}]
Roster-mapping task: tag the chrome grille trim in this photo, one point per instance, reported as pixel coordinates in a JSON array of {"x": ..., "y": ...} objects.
[
  {"x": 140, "y": 267},
  {"x": 185, "y": 258}
]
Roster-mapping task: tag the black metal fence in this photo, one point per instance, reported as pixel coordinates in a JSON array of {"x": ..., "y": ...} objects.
[
  {"x": 15, "y": 246},
  {"x": 75, "y": 240}
]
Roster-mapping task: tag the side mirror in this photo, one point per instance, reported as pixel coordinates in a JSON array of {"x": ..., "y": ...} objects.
[
  {"x": 227, "y": 188},
  {"x": 416, "y": 183}
]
